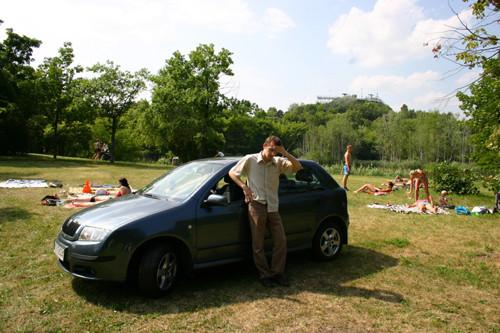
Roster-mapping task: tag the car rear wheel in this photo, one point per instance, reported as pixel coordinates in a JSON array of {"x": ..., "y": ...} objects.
[
  {"x": 327, "y": 243},
  {"x": 158, "y": 270}
]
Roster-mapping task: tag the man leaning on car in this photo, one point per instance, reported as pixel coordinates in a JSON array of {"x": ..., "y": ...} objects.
[{"x": 261, "y": 193}]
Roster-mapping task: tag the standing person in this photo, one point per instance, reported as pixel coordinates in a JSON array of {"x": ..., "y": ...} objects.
[
  {"x": 261, "y": 192},
  {"x": 417, "y": 179},
  {"x": 97, "y": 149},
  {"x": 105, "y": 150},
  {"x": 347, "y": 166}
]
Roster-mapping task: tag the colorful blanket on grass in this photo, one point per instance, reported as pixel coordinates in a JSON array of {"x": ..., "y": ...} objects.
[
  {"x": 405, "y": 209},
  {"x": 20, "y": 183},
  {"x": 111, "y": 189}
]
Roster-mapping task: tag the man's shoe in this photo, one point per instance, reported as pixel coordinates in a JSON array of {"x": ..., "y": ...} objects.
[
  {"x": 267, "y": 282},
  {"x": 280, "y": 279},
  {"x": 345, "y": 188}
]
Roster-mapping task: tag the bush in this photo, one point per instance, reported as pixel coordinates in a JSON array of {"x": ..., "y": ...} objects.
[
  {"x": 164, "y": 161},
  {"x": 451, "y": 178},
  {"x": 376, "y": 168},
  {"x": 491, "y": 183}
]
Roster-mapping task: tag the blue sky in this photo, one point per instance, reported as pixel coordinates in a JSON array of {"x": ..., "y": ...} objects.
[{"x": 284, "y": 51}]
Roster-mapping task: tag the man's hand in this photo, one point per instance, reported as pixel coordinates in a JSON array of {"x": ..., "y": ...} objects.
[
  {"x": 249, "y": 195},
  {"x": 280, "y": 149}
]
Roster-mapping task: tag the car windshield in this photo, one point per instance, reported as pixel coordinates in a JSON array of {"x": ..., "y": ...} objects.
[{"x": 181, "y": 182}]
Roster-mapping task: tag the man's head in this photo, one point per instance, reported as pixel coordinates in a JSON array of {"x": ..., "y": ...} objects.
[
  {"x": 270, "y": 147},
  {"x": 349, "y": 148},
  {"x": 273, "y": 139}
]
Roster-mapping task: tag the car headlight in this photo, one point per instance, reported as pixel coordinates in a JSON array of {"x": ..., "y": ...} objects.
[{"x": 93, "y": 234}]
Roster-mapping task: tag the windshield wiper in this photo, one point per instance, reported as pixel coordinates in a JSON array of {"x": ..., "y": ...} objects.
[{"x": 154, "y": 196}]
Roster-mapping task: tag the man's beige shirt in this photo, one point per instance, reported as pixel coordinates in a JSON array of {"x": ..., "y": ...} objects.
[{"x": 263, "y": 178}]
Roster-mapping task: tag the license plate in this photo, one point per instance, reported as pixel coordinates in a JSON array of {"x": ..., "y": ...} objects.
[{"x": 59, "y": 251}]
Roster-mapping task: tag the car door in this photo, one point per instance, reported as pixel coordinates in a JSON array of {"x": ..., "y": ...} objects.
[
  {"x": 300, "y": 198},
  {"x": 223, "y": 232}
]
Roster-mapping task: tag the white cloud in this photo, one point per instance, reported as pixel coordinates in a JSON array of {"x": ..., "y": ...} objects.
[
  {"x": 395, "y": 84},
  {"x": 231, "y": 16},
  {"x": 469, "y": 77},
  {"x": 277, "y": 21},
  {"x": 393, "y": 32},
  {"x": 420, "y": 91}
]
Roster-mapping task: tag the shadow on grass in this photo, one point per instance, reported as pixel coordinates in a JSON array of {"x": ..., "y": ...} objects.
[
  {"x": 10, "y": 214},
  {"x": 46, "y": 162},
  {"x": 239, "y": 283}
]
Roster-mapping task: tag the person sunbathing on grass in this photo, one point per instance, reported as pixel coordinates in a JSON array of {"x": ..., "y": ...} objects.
[
  {"x": 424, "y": 205},
  {"x": 91, "y": 200},
  {"x": 86, "y": 201},
  {"x": 374, "y": 189},
  {"x": 398, "y": 179}
]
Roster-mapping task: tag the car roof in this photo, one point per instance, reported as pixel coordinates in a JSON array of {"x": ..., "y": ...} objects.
[{"x": 230, "y": 159}]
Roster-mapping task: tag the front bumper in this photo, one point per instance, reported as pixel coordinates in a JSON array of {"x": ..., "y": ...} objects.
[{"x": 78, "y": 261}]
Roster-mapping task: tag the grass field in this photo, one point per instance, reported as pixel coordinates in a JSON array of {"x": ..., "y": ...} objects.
[{"x": 400, "y": 272}]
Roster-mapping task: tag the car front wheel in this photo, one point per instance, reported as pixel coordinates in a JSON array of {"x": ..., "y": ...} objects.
[
  {"x": 327, "y": 243},
  {"x": 158, "y": 270}
]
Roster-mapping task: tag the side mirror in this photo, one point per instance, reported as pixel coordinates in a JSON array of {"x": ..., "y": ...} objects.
[{"x": 215, "y": 200}]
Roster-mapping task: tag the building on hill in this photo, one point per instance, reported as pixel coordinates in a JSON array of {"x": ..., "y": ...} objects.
[{"x": 370, "y": 97}]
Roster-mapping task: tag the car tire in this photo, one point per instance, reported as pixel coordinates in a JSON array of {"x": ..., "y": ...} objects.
[
  {"x": 327, "y": 242},
  {"x": 158, "y": 270}
]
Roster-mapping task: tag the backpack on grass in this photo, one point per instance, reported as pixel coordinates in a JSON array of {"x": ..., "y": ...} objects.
[{"x": 462, "y": 210}]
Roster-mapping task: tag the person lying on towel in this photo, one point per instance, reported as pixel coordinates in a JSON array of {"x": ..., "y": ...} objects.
[
  {"x": 91, "y": 200},
  {"x": 374, "y": 189},
  {"x": 423, "y": 205}
]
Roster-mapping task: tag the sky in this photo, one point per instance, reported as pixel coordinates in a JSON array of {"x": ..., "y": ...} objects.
[{"x": 284, "y": 52}]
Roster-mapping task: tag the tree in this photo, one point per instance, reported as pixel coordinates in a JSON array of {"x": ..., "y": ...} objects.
[
  {"x": 479, "y": 48},
  {"x": 187, "y": 101},
  {"x": 111, "y": 93},
  {"x": 482, "y": 107},
  {"x": 54, "y": 80},
  {"x": 16, "y": 100},
  {"x": 470, "y": 44}
]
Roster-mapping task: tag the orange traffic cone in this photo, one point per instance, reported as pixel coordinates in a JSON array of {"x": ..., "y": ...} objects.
[{"x": 86, "y": 188}]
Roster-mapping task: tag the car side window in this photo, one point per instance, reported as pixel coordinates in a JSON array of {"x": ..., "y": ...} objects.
[
  {"x": 227, "y": 187},
  {"x": 301, "y": 181}
]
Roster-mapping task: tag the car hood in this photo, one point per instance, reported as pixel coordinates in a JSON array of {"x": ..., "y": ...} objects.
[{"x": 115, "y": 212}]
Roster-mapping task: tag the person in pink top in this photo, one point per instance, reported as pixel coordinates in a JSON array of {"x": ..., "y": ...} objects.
[{"x": 424, "y": 205}]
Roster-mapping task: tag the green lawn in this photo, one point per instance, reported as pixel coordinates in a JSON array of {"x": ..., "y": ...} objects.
[{"x": 400, "y": 272}]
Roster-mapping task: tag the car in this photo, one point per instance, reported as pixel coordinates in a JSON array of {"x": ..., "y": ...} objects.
[{"x": 195, "y": 216}]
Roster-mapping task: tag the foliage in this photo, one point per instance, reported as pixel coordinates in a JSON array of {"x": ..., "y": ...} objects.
[
  {"x": 474, "y": 44},
  {"x": 393, "y": 136},
  {"x": 187, "y": 101},
  {"x": 473, "y": 41},
  {"x": 479, "y": 44},
  {"x": 482, "y": 107},
  {"x": 448, "y": 177},
  {"x": 111, "y": 93},
  {"x": 16, "y": 88},
  {"x": 190, "y": 117},
  {"x": 491, "y": 182},
  {"x": 54, "y": 84}
]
